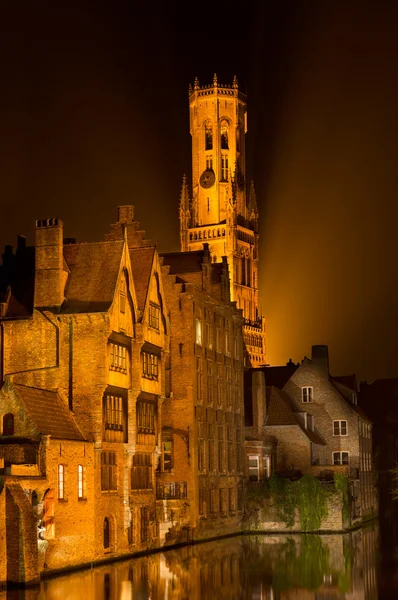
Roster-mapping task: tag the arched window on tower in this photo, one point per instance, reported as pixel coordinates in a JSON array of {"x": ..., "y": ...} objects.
[
  {"x": 224, "y": 135},
  {"x": 208, "y": 136}
]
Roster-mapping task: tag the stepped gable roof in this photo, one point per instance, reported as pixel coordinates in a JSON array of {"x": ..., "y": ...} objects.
[
  {"x": 281, "y": 410},
  {"x": 141, "y": 264},
  {"x": 216, "y": 272},
  {"x": 279, "y": 376},
  {"x": 94, "y": 269},
  {"x": 49, "y": 413},
  {"x": 184, "y": 262}
]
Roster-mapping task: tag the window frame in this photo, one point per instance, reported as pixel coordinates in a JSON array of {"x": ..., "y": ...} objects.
[
  {"x": 255, "y": 457},
  {"x": 154, "y": 316},
  {"x": 80, "y": 482},
  {"x": 61, "y": 482},
  {"x": 307, "y": 391},
  {"x": 340, "y": 453},
  {"x": 150, "y": 365},
  {"x": 339, "y": 422}
]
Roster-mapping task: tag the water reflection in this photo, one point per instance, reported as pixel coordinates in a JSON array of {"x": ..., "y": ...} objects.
[{"x": 252, "y": 567}]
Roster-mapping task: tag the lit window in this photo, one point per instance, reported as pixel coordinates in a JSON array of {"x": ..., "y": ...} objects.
[
  {"x": 198, "y": 330},
  {"x": 339, "y": 427},
  {"x": 340, "y": 458},
  {"x": 254, "y": 468},
  {"x": 61, "y": 482},
  {"x": 150, "y": 365},
  {"x": 167, "y": 449},
  {"x": 118, "y": 358},
  {"x": 114, "y": 413},
  {"x": 80, "y": 481},
  {"x": 154, "y": 316},
  {"x": 307, "y": 394}
]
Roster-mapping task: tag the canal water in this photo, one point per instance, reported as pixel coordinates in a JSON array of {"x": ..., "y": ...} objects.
[{"x": 257, "y": 567}]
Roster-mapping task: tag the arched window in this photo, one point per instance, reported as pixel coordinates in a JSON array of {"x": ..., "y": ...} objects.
[
  {"x": 208, "y": 136},
  {"x": 106, "y": 533},
  {"x": 224, "y": 135},
  {"x": 8, "y": 424}
]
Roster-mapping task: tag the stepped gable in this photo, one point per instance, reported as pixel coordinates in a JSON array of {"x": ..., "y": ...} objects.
[
  {"x": 141, "y": 264},
  {"x": 49, "y": 413},
  {"x": 94, "y": 269}
]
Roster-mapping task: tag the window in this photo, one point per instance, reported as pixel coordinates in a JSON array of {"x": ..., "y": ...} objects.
[
  {"x": 231, "y": 499},
  {"x": 238, "y": 451},
  {"x": 202, "y": 502},
  {"x": 340, "y": 458},
  {"x": 210, "y": 442},
  {"x": 61, "y": 482},
  {"x": 209, "y": 164},
  {"x": 80, "y": 482},
  {"x": 154, "y": 316},
  {"x": 223, "y": 500},
  {"x": 198, "y": 330},
  {"x": 224, "y": 168},
  {"x": 209, "y": 382},
  {"x": 199, "y": 378},
  {"x": 122, "y": 296},
  {"x": 118, "y": 358},
  {"x": 146, "y": 417},
  {"x": 230, "y": 449},
  {"x": 228, "y": 343},
  {"x": 254, "y": 468},
  {"x": 167, "y": 449},
  {"x": 307, "y": 394},
  {"x": 141, "y": 472},
  {"x": 224, "y": 135},
  {"x": 339, "y": 427},
  {"x": 209, "y": 335},
  {"x": 228, "y": 372},
  {"x": 150, "y": 365},
  {"x": 8, "y": 424},
  {"x": 108, "y": 471},
  {"x": 236, "y": 345},
  {"x": 237, "y": 389},
  {"x": 219, "y": 384},
  {"x": 106, "y": 533},
  {"x": 114, "y": 413},
  {"x": 218, "y": 335},
  {"x": 208, "y": 137},
  {"x": 220, "y": 448},
  {"x": 201, "y": 449},
  {"x": 144, "y": 524},
  {"x": 213, "y": 502}
]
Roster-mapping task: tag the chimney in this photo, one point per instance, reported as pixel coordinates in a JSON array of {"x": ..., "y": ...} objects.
[
  {"x": 125, "y": 213},
  {"x": 50, "y": 277},
  {"x": 320, "y": 357},
  {"x": 258, "y": 398}
]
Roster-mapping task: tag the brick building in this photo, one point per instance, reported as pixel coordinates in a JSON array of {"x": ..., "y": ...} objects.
[
  {"x": 314, "y": 423},
  {"x": 84, "y": 340},
  {"x": 205, "y": 410}
]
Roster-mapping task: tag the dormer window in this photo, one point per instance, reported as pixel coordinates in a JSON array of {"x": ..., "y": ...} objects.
[
  {"x": 307, "y": 394},
  {"x": 8, "y": 424}
]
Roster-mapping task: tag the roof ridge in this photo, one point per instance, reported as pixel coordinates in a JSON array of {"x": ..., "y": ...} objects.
[{"x": 33, "y": 387}]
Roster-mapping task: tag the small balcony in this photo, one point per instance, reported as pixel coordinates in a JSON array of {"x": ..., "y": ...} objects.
[{"x": 173, "y": 490}]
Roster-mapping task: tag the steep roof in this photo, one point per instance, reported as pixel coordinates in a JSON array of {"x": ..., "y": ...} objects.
[
  {"x": 49, "y": 413},
  {"x": 281, "y": 410},
  {"x": 94, "y": 269},
  {"x": 141, "y": 264},
  {"x": 347, "y": 393},
  {"x": 349, "y": 381}
]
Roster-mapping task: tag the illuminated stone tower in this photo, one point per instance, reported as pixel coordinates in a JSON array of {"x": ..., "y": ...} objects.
[{"x": 222, "y": 210}]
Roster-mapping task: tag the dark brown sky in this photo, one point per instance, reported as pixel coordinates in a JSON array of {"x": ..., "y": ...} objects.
[{"x": 94, "y": 113}]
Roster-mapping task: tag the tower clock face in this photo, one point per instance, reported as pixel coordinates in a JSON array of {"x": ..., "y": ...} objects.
[{"x": 207, "y": 178}]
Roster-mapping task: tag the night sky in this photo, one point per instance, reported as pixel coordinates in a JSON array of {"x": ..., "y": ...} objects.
[{"x": 94, "y": 113}]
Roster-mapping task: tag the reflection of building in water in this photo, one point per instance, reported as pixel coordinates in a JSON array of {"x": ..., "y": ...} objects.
[{"x": 279, "y": 567}]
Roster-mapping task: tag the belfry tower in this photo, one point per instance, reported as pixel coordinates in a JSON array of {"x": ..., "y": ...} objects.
[{"x": 222, "y": 210}]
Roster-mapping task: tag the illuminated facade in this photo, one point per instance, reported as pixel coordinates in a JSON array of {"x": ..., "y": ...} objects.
[{"x": 223, "y": 208}]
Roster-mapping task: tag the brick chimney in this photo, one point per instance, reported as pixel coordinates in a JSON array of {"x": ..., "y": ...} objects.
[
  {"x": 258, "y": 398},
  {"x": 50, "y": 276}
]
